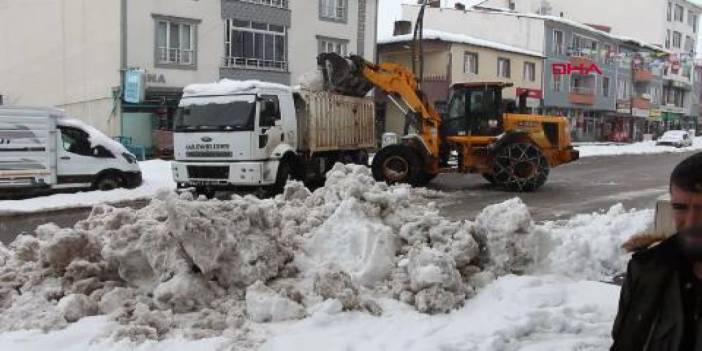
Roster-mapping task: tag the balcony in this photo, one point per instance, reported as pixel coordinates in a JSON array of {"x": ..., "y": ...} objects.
[
  {"x": 641, "y": 102},
  {"x": 255, "y": 63},
  {"x": 581, "y": 96},
  {"x": 578, "y": 59},
  {"x": 642, "y": 76}
]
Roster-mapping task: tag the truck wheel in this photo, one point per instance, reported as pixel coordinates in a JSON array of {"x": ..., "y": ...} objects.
[
  {"x": 109, "y": 182},
  {"x": 281, "y": 178},
  {"x": 426, "y": 178},
  {"x": 209, "y": 193},
  {"x": 397, "y": 164},
  {"x": 520, "y": 167}
]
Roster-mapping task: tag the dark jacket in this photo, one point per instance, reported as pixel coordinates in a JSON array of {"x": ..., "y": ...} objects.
[{"x": 650, "y": 316}]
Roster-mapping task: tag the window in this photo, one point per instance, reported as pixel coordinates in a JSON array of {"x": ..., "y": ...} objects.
[
  {"x": 558, "y": 82},
  {"x": 76, "y": 141},
  {"x": 339, "y": 46},
  {"x": 605, "y": 86},
  {"x": 503, "y": 68},
  {"x": 692, "y": 21},
  {"x": 689, "y": 44},
  {"x": 255, "y": 45},
  {"x": 670, "y": 9},
  {"x": 655, "y": 95},
  {"x": 667, "y": 39},
  {"x": 583, "y": 46},
  {"x": 623, "y": 89},
  {"x": 679, "y": 13},
  {"x": 470, "y": 62},
  {"x": 334, "y": 10},
  {"x": 529, "y": 73},
  {"x": 677, "y": 40},
  {"x": 270, "y": 111},
  {"x": 274, "y": 3},
  {"x": 581, "y": 84},
  {"x": 558, "y": 42},
  {"x": 175, "y": 42}
]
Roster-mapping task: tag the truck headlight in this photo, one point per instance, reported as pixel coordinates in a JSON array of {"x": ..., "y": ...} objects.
[{"x": 131, "y": 159}]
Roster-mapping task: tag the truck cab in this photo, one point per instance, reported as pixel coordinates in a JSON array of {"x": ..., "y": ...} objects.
[{"x": 233, "y": 137}]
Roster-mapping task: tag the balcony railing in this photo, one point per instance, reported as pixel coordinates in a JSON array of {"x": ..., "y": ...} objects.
[
  {"x": 283, "y": 4},
  {"x": 642, "y": 75},
  {"x": 175, "y": 56},
  {"x": 582, "y": 96},
  {"x": 641, "y": 102},
  {"x": 255, "y": 63}
]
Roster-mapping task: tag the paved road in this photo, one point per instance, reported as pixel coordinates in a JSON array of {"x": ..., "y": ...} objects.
[
  {"x": 588, "y": 185},
  {"x": 585, "y": 186}
]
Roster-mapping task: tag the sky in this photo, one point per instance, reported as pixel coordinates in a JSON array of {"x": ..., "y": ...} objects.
[{"x": 390, "y": 11}]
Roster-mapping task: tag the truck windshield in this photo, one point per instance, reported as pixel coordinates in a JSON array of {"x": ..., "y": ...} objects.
[{"x": 216, "y": 113}]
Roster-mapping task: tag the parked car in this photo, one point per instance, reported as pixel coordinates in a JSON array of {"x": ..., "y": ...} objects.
[
  {"x": 46, "y": 149},
  {"x": 677, "y": 138}
]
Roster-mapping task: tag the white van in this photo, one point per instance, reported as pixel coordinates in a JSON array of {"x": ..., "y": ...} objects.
[{"x": 43, "y": 148}]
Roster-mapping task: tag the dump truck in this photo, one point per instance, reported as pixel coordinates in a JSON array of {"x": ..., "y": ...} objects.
[
  {"x": 244, "y": 135},
  {"x": 513, "y": 150},
  {"x": 43, "y": 148}
]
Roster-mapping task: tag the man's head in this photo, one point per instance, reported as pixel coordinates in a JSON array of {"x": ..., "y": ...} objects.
[{"x": 686, "y": 200}]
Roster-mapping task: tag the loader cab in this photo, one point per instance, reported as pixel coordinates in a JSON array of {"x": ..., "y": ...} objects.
[{"x": 474, "y": 109}]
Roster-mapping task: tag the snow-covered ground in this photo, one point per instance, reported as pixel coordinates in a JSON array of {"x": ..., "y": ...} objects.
[
  {"x": 156, "y": 174},
  {"x": 532, "y": 286},
  {"x": 640, "y": 148}
]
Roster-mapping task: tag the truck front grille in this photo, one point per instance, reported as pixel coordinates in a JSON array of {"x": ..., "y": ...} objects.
[{"x": 208, "y": 172}]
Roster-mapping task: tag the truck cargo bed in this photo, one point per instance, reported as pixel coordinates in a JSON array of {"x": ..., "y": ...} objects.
[{"x": 331, "y": 122}]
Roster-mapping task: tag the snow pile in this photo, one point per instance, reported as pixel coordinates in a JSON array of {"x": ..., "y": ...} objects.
[
  {"x": 312, "y": 80},
  {"x": 202, "y": 269},
  {"x": 640, "y": 148},
  {"x": 588, "y": 246}
]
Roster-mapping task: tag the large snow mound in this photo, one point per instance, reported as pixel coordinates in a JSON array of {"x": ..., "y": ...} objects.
[{"x": 200, "y": 269}]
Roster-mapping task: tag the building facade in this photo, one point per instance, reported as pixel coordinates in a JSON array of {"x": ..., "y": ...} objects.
[
  {"x": 79, "y": 57},
  {"x": 451, "y": 58},
  {"x": 670, "y": 24},
  {"x": 605, "y": 84}
]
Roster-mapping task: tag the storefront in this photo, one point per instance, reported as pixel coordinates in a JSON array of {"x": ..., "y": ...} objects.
[
  {"x": 671, "y": 120},
  {"x": 148, "y": 114}
]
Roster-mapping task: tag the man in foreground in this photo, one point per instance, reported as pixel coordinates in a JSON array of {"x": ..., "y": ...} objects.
[{"x": 661, "y": 299}]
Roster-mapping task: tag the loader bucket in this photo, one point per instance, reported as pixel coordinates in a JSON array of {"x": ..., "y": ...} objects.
[{"x": 342, "y": 75}]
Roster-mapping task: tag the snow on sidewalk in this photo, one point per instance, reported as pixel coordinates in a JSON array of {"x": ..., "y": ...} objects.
[
  {"x": 640, "y": 148},
  {"x": 156, "y": 175}
]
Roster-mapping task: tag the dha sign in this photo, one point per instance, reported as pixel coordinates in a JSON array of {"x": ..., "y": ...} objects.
[{"x": 567, "y": 68}]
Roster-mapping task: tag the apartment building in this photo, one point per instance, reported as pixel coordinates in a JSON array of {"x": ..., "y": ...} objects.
[
  {"x": 121, "y": 65},
  {"x": 670, "y": 24},
  {"x": 588, "y": 74}
]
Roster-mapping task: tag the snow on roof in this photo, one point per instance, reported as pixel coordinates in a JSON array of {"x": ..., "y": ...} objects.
[
  {"x": 95, "y": 136},
  {"x": 504, "y": 11},
  {"x": 431, "y": 34},
  {"x": 229, "y": 87}
]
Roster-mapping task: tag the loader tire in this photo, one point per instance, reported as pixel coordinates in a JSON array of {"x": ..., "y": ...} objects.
[
  {"x": 397, "y": 164},
  {"x": 520, "y": 167},
  {"x": 426, "y": 178}
]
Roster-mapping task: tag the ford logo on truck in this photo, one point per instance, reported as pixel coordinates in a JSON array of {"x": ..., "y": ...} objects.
[{"x": 206, "y": 139}]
